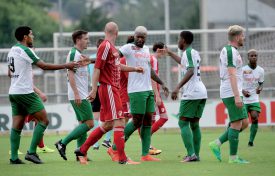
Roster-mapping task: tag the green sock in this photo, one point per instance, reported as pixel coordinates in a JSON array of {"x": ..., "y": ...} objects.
[
  {"x": 253, "y": 131},
  {"x": 187, "y": 137},
  {"x": 233, "y": 137},
  {"x": 129, "y": 129},
  {"x": 145, "y": 135},
  {"x": 224, "y": 137},
  {"x": 76, "y": 133},
  {"x": 38, "y": 133},
  {"x": 15, "y": 137},
  {"x": 81, "y": 139},
  {"x": 196, "y": 137}
]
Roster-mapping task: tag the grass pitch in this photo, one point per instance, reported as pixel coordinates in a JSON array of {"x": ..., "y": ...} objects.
[{"x": 261, "y": 156}]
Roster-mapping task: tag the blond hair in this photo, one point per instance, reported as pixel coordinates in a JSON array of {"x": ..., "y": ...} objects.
[
  {"x": 251, "y": 50},
  {"x": 234, "y": 31},
  {"x": 141, "y": 30}
]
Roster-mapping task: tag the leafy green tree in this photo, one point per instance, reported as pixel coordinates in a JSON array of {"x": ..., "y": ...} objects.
[{"x": 14, "y": 13}]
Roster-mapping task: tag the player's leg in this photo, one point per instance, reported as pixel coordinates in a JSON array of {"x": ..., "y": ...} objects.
[
  {"x": 41, "y": 147},
  {"x": 162, "y": 118},
  {"x": 96, "y": 112},
  {"x": 96, "y": 124},
  {"x": 107, "y": 140},
  {"x": 254, "y": 110}
]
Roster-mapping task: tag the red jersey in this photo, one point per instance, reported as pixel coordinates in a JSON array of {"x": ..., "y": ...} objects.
[
  {"x": 123, "y": 83},
  {"x": 155, "y": 65},
  {"x": 107, "y": 60}
]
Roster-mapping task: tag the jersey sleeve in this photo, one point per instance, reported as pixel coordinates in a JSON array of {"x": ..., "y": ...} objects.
[
  {"x": 31, "y": 56},
  {"x": 124, "y": 50},
  {"x": 231, "y": 58},
  {"x": 189, "y": 63},
  {"x": 102, "y": 55}
]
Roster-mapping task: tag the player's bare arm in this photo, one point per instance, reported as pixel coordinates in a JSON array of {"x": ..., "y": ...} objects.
[
  {"x": 233, "y": 81},
  {"x": 126, "y": 68},
  {"x": 95, "y": 79},
  {"x": 48, "y": 66},
  {"x": 77, "y": 98},
  {"x": 185, "y": 79},
  {"x": 173, "y": 55},
  {"x": 155, "y": 77}
]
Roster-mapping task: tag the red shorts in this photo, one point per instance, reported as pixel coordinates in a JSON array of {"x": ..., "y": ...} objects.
[
  {"x": 160, "y": 110},
  {"x": 126, "y": 110},
  {"x": 111, "y": 106}
]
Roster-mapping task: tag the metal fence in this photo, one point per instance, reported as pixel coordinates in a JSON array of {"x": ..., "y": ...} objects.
[{"x": 207, "y": 42}]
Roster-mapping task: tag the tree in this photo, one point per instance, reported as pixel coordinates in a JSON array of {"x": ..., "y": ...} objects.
[{"x": 14, "y": 13}]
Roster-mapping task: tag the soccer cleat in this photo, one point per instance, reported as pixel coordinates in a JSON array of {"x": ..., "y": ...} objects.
[
  {"x": 238, "y": 161},
  {"x": 250, "y": 144},
  {"x": 149, "y": 158},
  {"x": 81, "y": 157},
  {"x": 190, "y": 159},
  {"x": 129, "y": 161},
  {"x": 18, "y": 152},
  {"x": 215, "y": 150},
  {"x": 33, "y": 157},
  {"x": 44, "y": 149},
  {"x": 96, "y": 147},
  {"x": 154, "y": 151},
  {"x": 113, "y": 154},
  {"x": 106, "y": 143},
  {"x": 61, "y": 149},
  {"x": 17, "y": 161}
]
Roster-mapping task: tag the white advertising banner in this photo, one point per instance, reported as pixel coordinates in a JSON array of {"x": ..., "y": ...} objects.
[{"x": 62, "y": 117}]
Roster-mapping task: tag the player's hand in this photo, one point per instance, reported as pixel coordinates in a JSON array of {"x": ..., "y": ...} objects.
[
  {"x": 139, "y": 70},
  {"x": 175, "y": 93},
  {"x": 43, "y": 97},
  {"x": 246, "y": 93},
  {"x": 92, "y": 95},
  {"x": 72, "y": 65},
  {"x": 238, "y": 101},
  {"x": 166, "y": 90},
  {"x": 158, "y": 100},
  {"x": 77, "y": 100},
  {"x": 84, "y": 61},
  {"x": 258, "y": 90}
]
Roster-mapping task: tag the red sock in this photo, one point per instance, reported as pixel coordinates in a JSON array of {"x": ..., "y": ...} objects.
[
  {"x": 94, "y": 136},
  {"x": 41, "y": 143},
  {"x": 158, "y": 124},
  {"x": 120, "y": 143}
]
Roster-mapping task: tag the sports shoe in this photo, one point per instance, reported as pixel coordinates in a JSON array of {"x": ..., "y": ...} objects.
[
  {"x": 17, "y": 161},
  {"x": 18, "y": 152},
  {"x": 44, "y": 149},
  {"x": 149, "y": 158},
  {"x": 154, "y": 151},
  {"x": 106, "y": 143},
  {"x": 190, "y": 159},
  {"x": 113, "y": 154},
  {"x": 250, "y": 144},
  {"x": 81, "y": 157},
  {"x": 215, "y": 150},
  {"x": 33, "y": 157},
  {"x": 96, "y": 147},
  {"x": 238, "y": 161},
  {"x": 61, "y": 149},
  {"x": 129, "y": 161}
]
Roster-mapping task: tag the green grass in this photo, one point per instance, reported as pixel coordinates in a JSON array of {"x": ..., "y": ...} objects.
[{"x": 261, "y": 156}]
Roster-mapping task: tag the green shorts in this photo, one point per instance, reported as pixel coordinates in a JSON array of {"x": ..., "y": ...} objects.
[
  {"x": 234, "y": 112},
  {"x": 24, "y": 104},
  {"x": 142, "y": 102},
  {"x": 253, "y": 107},
  {"x": 84, "y": 111},
  {"x": 191, "y": 108}
]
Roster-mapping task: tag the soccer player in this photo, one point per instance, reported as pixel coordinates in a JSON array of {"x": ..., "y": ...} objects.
[
  {"x": 231, "y": 76},
  {"x": 107, "y": 73},
  {"x": 253, "y": 79},
  {"x": 77, "y": 94},
  {"x": 21, "y": 94},
  {"x": 193, "y": 97},
  {"x": 140, "y": 92}
]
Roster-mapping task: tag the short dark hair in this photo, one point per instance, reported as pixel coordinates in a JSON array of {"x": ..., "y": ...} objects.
[
  {"x": 130, "y": 39},
  {"x": 78, "y": 35},
  {"x": 187, "y": 36},
  {"x": 21, "y": 31},
  {"x": 99, "y": 41},
  {"x": 158, "y": 45}
]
